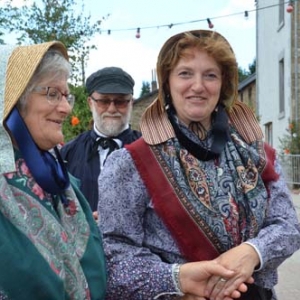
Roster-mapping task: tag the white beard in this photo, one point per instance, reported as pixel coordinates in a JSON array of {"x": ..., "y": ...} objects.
[{"x": 111, "y": 127}]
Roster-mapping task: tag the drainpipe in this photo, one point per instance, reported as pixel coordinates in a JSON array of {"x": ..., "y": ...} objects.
[{"x": 296, "y": 62}]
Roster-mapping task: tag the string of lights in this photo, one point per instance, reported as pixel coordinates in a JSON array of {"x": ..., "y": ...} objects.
[{"x": 210, "y": 24}]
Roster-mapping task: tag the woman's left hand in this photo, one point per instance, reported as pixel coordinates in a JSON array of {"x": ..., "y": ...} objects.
[{"x": 242, "y": 259}]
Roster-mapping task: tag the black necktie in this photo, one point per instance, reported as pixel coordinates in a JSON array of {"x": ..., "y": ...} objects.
[{"x": 107, "y": 143}]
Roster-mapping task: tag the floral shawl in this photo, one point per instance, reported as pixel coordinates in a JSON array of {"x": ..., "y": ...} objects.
[{"x": 48, "y": 251}]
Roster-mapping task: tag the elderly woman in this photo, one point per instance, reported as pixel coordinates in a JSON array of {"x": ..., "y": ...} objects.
[
  {"x": 200, "y": 191},
  {"x": 50, "y": 246}
]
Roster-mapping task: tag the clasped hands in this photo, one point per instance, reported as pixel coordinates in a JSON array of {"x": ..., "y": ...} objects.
[{"x": 223, "y": 278}]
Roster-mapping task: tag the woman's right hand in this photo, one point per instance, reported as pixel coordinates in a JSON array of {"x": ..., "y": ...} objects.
[
  {"x": 242, "y": 259},
  {"x": 195, "y": 276}
]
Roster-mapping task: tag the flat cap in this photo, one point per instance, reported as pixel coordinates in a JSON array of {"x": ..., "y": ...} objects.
[{"x": 110, "y": 80}]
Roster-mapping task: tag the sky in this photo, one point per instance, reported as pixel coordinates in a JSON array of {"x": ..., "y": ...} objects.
[{"x": 138, "y": 56}]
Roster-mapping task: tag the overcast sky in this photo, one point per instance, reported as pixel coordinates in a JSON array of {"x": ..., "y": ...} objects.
[{"x": 138, "y": 56}]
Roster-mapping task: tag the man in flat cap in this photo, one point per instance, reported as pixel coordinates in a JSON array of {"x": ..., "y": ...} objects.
[{"x": 110, "y": 100}]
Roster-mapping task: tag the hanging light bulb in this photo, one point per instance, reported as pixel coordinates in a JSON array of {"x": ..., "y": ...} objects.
[
  {"x": 246, "y": 14},
  {"x": 210, "y": 24},
  {"x": 290, "y": 7},
  {"x": 138, "y": 34},
  {"x": 108, "y": 31}
]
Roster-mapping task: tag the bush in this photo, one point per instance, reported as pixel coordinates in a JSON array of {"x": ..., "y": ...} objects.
[
  {"x": 80, "y": 118},
  {"x": 290, "y": 142}
]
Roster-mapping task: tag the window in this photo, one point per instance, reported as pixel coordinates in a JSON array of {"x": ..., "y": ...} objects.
[
  {"x": 281, "y": 12},
  {"x": 281, "y": 87},
  {"x": 269, "y": 133}
]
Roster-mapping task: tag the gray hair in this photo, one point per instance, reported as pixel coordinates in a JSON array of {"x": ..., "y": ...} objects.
[{"x": 53, "y": 65}]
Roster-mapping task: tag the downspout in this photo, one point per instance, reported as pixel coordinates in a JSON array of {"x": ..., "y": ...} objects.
[{"x": 296, "y": 61}]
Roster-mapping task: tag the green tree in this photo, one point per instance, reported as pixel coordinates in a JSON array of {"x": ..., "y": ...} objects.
[
  {"x": 1, "y": 40},
  {"x": 47, "y": 20},
  {"x": 63, "y": 20},
  {"x": 145, "y": 88},
  {"x": 81, "y": 113},
  {"x": 252, "y": 67},
  {"x": 2, "y": 25},
  {"x": 243, "y": 73}
]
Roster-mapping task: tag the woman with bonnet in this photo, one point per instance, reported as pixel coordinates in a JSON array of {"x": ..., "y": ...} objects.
[{"x": 50, "y": 246}]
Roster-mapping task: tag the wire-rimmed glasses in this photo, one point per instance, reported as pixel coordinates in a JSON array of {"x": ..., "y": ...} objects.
[{"x": 54, "y": 95}]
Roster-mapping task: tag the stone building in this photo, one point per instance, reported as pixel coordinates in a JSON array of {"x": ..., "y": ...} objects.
[{"x": 247, "y": 91}]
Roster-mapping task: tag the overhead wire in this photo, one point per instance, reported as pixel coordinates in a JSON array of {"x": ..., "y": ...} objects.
[{"x": 246, "y": 13}]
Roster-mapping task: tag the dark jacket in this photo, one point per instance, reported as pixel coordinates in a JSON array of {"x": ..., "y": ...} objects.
[{"x": 82, "y": 160}]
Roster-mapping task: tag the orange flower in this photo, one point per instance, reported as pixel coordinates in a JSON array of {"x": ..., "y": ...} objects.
[
  {"x": 291, "y": 126},
  {"x": 74, "y": 121},
  {"x": 287, "y": 151}
]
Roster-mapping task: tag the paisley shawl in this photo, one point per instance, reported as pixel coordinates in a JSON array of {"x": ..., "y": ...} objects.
[
  {"x": 54, "y": 246},
  {"x": 209, "y": 207}
]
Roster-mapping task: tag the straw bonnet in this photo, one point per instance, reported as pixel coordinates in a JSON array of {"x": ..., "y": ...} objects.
[
  {"x": 22, "y": 64},
  {"x": 17, "y": 65}
]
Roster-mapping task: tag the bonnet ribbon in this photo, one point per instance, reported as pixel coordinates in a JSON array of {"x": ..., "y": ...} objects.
[{"x": 49, "y": 172}]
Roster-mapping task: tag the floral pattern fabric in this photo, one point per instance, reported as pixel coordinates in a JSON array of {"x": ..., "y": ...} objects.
[
  {"x": 60, "y": 236},
  {"x": 230, "y": 199},
  {"x": 140, "y": 249}
]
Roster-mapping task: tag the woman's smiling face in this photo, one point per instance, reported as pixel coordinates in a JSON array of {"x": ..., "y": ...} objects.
[
  {"x": 44, "y": 120},
  {"x": 195, "y": 86}
]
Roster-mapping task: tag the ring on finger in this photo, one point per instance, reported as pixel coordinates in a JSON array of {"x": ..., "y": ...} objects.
[{"x": 222, "y": 279}]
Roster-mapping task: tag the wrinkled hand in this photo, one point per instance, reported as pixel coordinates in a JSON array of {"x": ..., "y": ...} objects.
[
  {"x": 242, "y": 260},
  {"x": 191, "y": 297},
  {"x": 194, "y": 278},
  {"x": 235, "y": 295}
]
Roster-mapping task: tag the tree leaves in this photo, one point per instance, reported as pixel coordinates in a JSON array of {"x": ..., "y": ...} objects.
[{"x": 47, "y": 20}]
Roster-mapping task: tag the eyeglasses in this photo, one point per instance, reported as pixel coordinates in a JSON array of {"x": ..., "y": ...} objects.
[
  {"x": 54, "y": 96},
  {"x": 105, "y": 103}
]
